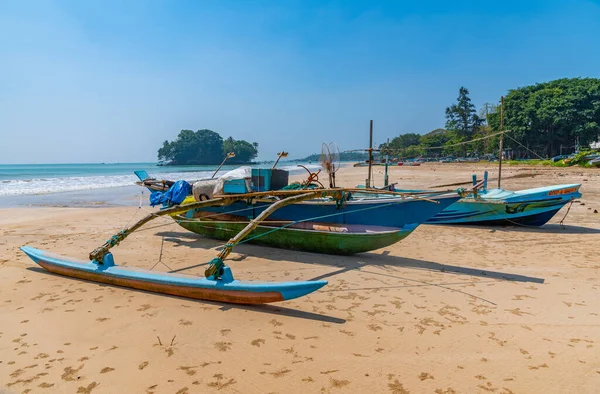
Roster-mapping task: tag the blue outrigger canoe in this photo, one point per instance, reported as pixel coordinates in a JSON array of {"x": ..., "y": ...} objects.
[
  {"x": 529, "y": 207},
  {"x": 360, "y": 209},
  {"x": 224, "y": 289},
  {"x": 356, "y": 208}
]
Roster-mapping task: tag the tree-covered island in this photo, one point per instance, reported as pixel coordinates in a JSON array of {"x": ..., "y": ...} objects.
[{"x": 205, "y": 147}]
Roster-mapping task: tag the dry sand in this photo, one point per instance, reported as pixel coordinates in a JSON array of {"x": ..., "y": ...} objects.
[{"x": 448, "y": 310}]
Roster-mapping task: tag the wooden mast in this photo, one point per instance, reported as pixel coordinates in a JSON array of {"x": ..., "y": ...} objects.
[
  {"x": 370, "y": 154},
  {"x": 387, "y": 160},
  {"x": 501, "y": 140}
]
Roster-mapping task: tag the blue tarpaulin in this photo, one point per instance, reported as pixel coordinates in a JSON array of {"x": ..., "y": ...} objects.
[{"x": 174, "y": 196}]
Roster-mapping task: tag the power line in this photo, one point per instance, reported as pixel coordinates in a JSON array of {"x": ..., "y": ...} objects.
[{"x": 434, "y": 147}]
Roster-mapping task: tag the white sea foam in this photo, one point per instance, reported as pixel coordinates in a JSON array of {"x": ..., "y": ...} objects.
[
  {"x": 47, "y": 185},
  {"x": 78, "y": 183}
]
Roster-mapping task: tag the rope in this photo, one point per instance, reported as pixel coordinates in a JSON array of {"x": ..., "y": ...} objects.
[
  {"x": 215, "y": 268},
  {"x": 540, "y": 157},
  {"x": 467, "y": 142},
  {"x": 160, "y": 257},
  {"x": 438, "y": 147},
  {"x": 568, "y": 209}
]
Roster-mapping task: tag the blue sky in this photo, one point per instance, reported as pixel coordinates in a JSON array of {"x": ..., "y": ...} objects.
[{"x": 108, "y": 81}]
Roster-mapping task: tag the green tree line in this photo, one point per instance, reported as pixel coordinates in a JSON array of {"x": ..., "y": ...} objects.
[
  {"x": 542, "y": 118},
  {"x": 205, "y": 147},
  {"x": 344, "y": 156}
]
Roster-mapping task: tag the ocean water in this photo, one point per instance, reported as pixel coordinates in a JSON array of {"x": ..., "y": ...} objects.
[{"x": 42, "y": 179}]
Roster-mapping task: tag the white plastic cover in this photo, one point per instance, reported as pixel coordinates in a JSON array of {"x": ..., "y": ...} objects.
[
  {"x": 204, "y": 187},
  {"x": 243, "y": 172}
]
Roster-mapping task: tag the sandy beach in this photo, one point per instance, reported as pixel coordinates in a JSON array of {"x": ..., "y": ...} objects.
[{"x": 447, "y": 310}]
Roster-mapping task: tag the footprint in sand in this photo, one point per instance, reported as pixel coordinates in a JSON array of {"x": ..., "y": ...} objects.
[
  {"x": 449, "y": 390},
  {"x": 330, "y": 371},
  {"x": 258, "y": 342},
  {"x": 143, "y": 365},
  {"x": 188, "y": 369},
  {"x": 107, "y": 370},
  {"x": 223, "y": 346},
  {"x": 535, "y": 367},
  {"x": 276, "y": 323},
  {"x": 517, "y": 311},
  {"x": 70, "y": 373},
  {"x": 88, "y": 389},
  {"x": 525, "y": 353},
  {"x": 425, "y": 376},
  {"x": 220, "y": 382},
  {"x": 280, "y": 373},
  {"x": 338, "y": 383},
  {"x": 397, "y": 388},
  {"x": 185, "y": 322},
  {"x": 225, "y": 331}
]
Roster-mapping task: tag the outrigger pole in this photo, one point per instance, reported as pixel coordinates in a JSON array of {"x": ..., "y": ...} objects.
[
  {"x": 216, "y": 265},
  {"x": 279, "y": 156},
  {"x": 228, "y": 156}
]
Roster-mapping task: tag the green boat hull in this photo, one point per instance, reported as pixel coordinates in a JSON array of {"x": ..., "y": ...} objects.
[{"x": 308, "y": 240}]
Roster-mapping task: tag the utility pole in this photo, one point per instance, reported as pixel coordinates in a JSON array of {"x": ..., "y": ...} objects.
[
  {"x": 501, "y": 139},
  {"x": 387, "y": 160},
  {"x": 370, "y": 154}
]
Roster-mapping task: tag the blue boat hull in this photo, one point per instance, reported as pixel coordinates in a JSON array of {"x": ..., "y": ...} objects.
[
  {"x": 531, "y": 207},
  {"x": 222, "y": 290},
  {"x": 388, "y": 211}
]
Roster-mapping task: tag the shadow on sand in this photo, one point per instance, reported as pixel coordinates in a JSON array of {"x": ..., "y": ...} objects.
[
  {"x": 547, "y": 228},
  {"x": 344, "y": 263},
  {"x": 224, "y": 307},
  {"x": 554, "y": 228}
]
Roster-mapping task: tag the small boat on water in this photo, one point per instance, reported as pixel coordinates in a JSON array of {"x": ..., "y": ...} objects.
[
  {"x": 529, "y": 207},
  {"x": 224, "y": 289},
  {"x": 328, "y": 238}
]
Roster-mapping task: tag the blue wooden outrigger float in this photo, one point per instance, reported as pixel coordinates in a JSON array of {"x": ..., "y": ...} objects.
[{"x": 223, "y": 289}]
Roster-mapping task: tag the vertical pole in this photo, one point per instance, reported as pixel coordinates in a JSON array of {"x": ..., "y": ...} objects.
[
  {"x": 501, "y": 139},
  {"x": 485, "y": 178},
  {"x": 387, "y": 159},
  {"x": 370, "y": 153}
]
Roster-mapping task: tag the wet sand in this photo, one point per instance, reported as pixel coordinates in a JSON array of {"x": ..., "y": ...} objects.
[{"x": 447, "y": 310}]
